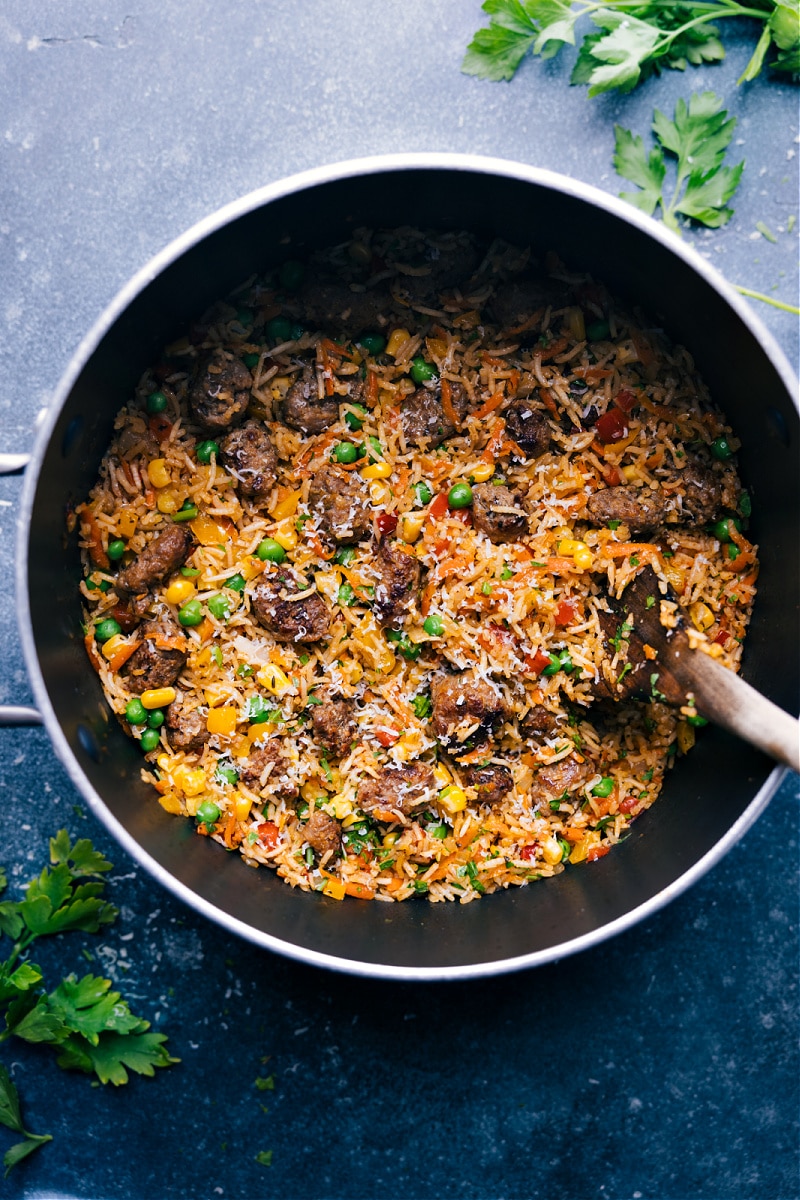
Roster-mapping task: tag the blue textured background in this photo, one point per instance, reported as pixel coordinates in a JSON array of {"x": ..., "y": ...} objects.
[{"x": 661, "y": 1065}]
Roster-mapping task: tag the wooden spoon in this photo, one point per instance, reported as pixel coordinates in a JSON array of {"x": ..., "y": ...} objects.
[{"x": 659, "y": 663}]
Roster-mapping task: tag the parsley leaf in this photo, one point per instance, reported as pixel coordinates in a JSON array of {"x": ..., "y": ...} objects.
[
  {"x": 628, "y": 41},
  {"x": 697, "y": 138},
  {"x": 11, "y": 1117}
]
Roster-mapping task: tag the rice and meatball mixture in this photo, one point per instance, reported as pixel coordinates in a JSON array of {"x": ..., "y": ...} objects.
[{"x": 353, "y": 552}]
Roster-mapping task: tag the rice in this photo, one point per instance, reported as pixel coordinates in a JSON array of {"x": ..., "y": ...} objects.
[{"x": 539, "y": 766}]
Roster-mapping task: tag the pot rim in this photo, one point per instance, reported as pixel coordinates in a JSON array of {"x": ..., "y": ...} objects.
[{"x": 377, "y": 164}]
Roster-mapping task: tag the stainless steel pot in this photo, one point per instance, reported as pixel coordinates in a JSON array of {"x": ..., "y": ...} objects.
[{"x": 711, "y": 797}]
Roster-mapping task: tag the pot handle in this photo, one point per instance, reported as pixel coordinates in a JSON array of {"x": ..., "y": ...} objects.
[
  {"x": 15, "y": 715},
  {"x": 13, "y": 464}
]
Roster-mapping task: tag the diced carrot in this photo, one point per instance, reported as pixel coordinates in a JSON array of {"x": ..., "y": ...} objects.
[
  {"x": 427, "y": 596},
  {"x": 91, "y": 531},
  {"x": 327, "y": 370},
  {"x": 360, "y": 891},
  {"x": 160, "y": 427},
  {"x": 372, "y": 389},
  {"x": 447, "y": 404},
  {"x": 597, "y": 852},
  {"x": 557, "y": 565},
  {"x": 490, "y": 405},
  {"x": 556, "y": 347},
  {"x": 122, "y": 656},
  {"x": 437, "y": 507},
  {"x": 91, "y": 650},
  {"x": 623, "y": 549},
  {"x": 205, "y": 629},
  {"x": 491, "y": 451}
]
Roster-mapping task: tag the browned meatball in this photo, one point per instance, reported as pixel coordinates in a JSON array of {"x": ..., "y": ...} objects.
[
  {"x": 159, "y": 658},
  {"x": 334, "y": 725},
  {"x": 551, "y": 782},
  {"x": 528, "y": 427},
  {"x": 498, "y": 512},
  {"x": 186, "y": 728},
  {"x": 159, "y": 558},
  {"x": 250, "y": 457},
  {"x": 303, "y": 620},
  {"x": 332, "y": 305},
  {"x": 267, "y": 765},
  {"x": 517, "y": 300},
  {"x": 304, "y": 409},
  {"x": 424, "y": 420},
  {"x": 323, "y": 833},
  {"x": 219, "y": 391},
  {"x": 491, "y": 783},
  {"x": 399, "y": 574},
  {"x": 539, "y": 722},
  {"x": 448, "y": 264},
  {"x": 460, "y": 703},
  {"x": 641, "y": 509},
  {"x": 705, "y": 494},
  {"x": 341, "y": 502},
  {"x": 397, "y": 789}
]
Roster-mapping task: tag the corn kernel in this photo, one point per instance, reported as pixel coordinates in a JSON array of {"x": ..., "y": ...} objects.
[
  {"x": 339, "y": 807},
  {"x": 675, "y": 576},
  {"x": 568, "y": 546},
  {"x": 378, "y": 470},
  {"x": 701, "y": 614},
  {"x": 453, "y": 799},
  {"x": 179, "y": 591},
  {"x": 437, "y": 346},
  {"x": 577, "y": 324},
  {"x": 482, "y": 471},
  {"x": 279, "y": 386},
  {"x": 169, "y": 500},
  {"x": 411, "y": 526},
  {"x": 113, "y": 646},
  {"x": 222, "y": 720},
  {"x": 241, "y": 806},
  {"x": 333, "y": 888},
  {"x": 442, "y": 775},
  {"x": 285, "y": 535},
  {"x": 164, "y": 761},
  {"x": 379, "y": 493},
  {"x": 157, "y": 472},
  {"x": 157, "y": 697},
  {"x": 583, "y": 558},
  {"x": 390, "y": 839},
  {"x": 630, "y": 473},
  {"x": 273, "y": 679},
  {"x": 190, "y": 782},
  {"x": 171, "y": 803},
  {"x": 551, "y": 851},
  {"x": 397, "y": 338}
]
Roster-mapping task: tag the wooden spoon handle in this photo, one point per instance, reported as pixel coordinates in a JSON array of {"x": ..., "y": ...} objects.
[{"x": 731, "y": 703}]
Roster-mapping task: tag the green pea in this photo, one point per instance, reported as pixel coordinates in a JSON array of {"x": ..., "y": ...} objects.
[
  {"x": 155, "y": 718},
  {"x": 206, "y": 449},
  {"x": 207, "y": 813},
  {"x": 149, "y": 740},
  {"x": 423, "y": 492},
  {"x": 597, "y": 331},
  {"x": 345, "y": 596},
  {"x": 226, "y": 773},
  {"x": 373, "y": 343},
  {"x": 374, "y": 448},
  {"x": 733, "y": 551},
  {"x": 423, "y": 371},
  {"x": 345, "y": 555},
  {"x": 745, "y": 505},
  {"x": 354, "y": 417},
  {"x": 135, "y": 712},
  {"x": 433, "y": 625},
  {"x": 604, "y": 788},
  {"x": 459, "y": 496},
  {"x": 291, "y": 274},
  {"x": 218, "y": 606},
  {"x": 245, "y": 317},
  {"x": 270, "y": 551},
  {"x": 722, "y": 529},
  {"x": 116, "y": 549},
  {"x": 156, "y": 403},
  {"x": 106, "y": 629},
  {"x": 191, "y": 613},
  {"x": 345, "y": 452},
  {"x": 296, "y": 331},
  {"x": 721, "y": 449},
  {"x": 279, "y": 330},
  {"x": 250, "y": 359}
]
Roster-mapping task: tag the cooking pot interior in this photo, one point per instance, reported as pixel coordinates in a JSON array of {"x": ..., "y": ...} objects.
[{"x": 709, "y": 798}]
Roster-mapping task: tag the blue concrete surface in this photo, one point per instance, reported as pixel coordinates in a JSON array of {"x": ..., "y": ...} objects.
[{"x": 662, "y": 1065}]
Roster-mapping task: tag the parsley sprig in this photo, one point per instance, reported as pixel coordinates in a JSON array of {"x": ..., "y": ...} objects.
[
  {"x": 90, "y": 1026},
  {"x": 697, "y": 139},
  {"x": 631, "y": 40}
]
